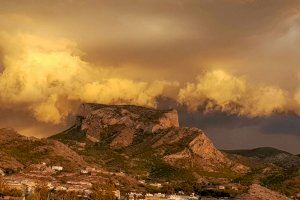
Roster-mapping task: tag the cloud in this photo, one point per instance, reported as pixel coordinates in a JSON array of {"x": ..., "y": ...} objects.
[
  {"x": 122, "y": 91},
  {"x": 46, "y": 75},
  {"x": 219, "y": 90}
]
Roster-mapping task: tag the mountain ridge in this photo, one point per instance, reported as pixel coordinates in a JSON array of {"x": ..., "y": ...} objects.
[
  {"x": 126, "y": 128},
  {"x": 127, "y": 143},
  {"x": 20, "y": 151},
  {"x": 269, "y": 155}
]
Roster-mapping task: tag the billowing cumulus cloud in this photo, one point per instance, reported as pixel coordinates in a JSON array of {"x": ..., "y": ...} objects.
[
  {"x": 297, "y": 97},
  {"x": 41, "y": 74},
  {"x": 48, "y": 76},
  {"x": 218, "y": 90}
]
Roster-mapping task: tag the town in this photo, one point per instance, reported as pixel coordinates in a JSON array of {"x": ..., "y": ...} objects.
[{"x": 53, "y": 181}]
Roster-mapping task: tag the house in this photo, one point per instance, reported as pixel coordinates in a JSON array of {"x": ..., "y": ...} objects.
[
  {"x": 50, "y": 186},
  {"x": 149, "y": 195},
  {"x": 182, "y": 197},
  {"x": 134, "y": 195},
  {"x": 2, "y": 172},
  {"x": 84, "y": 171},
  {"x": 57, "y": 168},
  {"x": 159, "y": 195},
  {"x": 234, "y": 188},
  {"x": 81, "y": 144},
  {"x": 176, "y": 197},
  {"x": 157, "y": 185},
  {"x": 92, "y": 169},
  {"x": 221, "y": 187},
  {"x": 117, "y": 194},
  {"x": 61, "y": 188},
  {"x": 120, "y": 174}
]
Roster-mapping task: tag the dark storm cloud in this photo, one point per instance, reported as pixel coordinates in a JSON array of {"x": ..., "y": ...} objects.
[
  {"x": 231, "y": 131},
  {"x": 20, "y": 120},
  {"x": 282, "y": 124},
  {"x": 241, "y": 132},
  {"x": 170, "y": 33}
]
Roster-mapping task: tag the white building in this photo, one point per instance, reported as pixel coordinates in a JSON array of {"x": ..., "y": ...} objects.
[
  {"x": 50, "y": 186},
  {"x": 84, "y": 171},
  {"x": 57, "y": 168},
  {"x": 134, "y": 195},
  {"x": 61, "y": 188},
  {"x": 159, "y": 195},
  {"x": 2, "y": 172},
  {"x": 117, "y": 194},
  {"x": 157, "y": 185},
  {"x": 221, "y": 187}
]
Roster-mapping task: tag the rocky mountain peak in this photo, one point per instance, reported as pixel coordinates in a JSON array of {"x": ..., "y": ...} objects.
[
  {"x": 96, "y": 118},
  {"x": 128, "y": 129}
]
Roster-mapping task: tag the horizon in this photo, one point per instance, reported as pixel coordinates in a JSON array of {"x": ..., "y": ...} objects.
[{"x": 71, "y": 124}]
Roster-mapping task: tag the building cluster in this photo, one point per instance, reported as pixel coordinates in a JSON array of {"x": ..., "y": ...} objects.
[
  {"x": 81, "y": 183},
  {"x": 160, "y": 196}
]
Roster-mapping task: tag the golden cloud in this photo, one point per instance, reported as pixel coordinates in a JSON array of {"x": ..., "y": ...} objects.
[
  {"x": 232, "y": 94},
  {"x": 40, "y": 73},
  {"x": 46, "y": 75}
]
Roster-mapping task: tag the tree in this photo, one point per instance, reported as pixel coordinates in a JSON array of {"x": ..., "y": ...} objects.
[
  {"x": 42, "y": 192},
  {"x": 6, "y": 191},
  {"x": 103, "y": 192},
  {"x": 64, "y": 195}
]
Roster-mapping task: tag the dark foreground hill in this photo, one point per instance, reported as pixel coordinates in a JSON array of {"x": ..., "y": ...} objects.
[
  {"x": 145, "y": 142},
  {"x": 274, "y": 168},
  {"x": 18, "y": 152},
  {"x": 270, "y": 155}
]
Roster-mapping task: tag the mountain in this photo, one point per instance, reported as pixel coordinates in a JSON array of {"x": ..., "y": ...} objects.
[
  {"x": 273, "y": 168},
  {"x": 261, "y": 193},
  {"x": 142, "y": 149},
  {"x": 18, "y": 152},
  {"x": 270, "y": 155},
  {"x": 145, "y": 142}
]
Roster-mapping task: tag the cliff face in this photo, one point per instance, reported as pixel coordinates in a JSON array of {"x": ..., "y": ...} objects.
[
  {"x": 96, "y": 119},
  {"x": 139, "y": 136}
]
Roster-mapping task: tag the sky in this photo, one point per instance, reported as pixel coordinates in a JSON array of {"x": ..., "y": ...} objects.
[{"x": 231, "y": 67}]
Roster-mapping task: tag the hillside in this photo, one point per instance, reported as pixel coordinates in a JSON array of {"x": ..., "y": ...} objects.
[
  {"x": 270, "y": 155},
  {"x": 145, "y": 142},
  {"x": 258, "y": 192},
  {"x": 18, "y": 152},
  {"x": 142, "y": 149},
  {"x": 273, "y": 168}
]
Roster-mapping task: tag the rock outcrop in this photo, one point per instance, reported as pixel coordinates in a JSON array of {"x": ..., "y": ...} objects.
[
  {"x": 126, "y": 126},
  {"x": 96, "y": 119}
]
